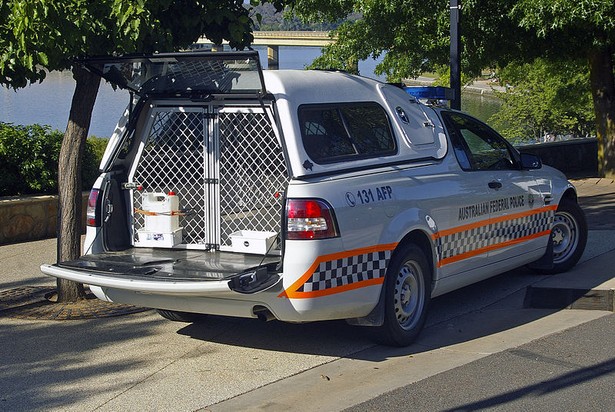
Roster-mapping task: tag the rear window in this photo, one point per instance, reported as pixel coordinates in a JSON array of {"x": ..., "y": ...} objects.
[{"x": 340, "y": 132}]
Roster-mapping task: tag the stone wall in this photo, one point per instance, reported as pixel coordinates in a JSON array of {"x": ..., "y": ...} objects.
[
  {"x": 577, "y": 158},
  {"x": 30, "y": 218}
]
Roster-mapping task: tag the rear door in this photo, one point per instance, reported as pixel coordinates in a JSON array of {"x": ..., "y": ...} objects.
[
  {"x": 196, "y": 76},
  {"x": 192, "y": 75}
]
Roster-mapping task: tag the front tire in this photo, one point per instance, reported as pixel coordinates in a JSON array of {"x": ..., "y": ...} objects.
[
  {"x": 568, "y": 236},
  {"x": 407, "y": 296}
]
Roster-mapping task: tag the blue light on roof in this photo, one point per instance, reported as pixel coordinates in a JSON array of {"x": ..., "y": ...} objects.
[{"x": 430, "y": 92}]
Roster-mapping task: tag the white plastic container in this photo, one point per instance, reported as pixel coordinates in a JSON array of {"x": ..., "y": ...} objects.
[
  {"x": 251, "y": 241},
  {"x": 165, "y": 205},
  {"x": 162, "y": 225}
]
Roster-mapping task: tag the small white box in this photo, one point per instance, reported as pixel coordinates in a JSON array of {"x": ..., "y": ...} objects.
[
  {"x": 159, "y": 239},
  {"x": 251, "y": 241}
]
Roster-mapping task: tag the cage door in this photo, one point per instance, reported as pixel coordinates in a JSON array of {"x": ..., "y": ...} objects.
[
  {"x": 176, "y": 156},
  {"x": 251, "y": 171}
]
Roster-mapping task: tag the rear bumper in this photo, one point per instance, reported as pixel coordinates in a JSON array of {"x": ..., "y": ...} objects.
[
  {"x": 217, "y": 298},
  {"x": 210, "y": 297}
]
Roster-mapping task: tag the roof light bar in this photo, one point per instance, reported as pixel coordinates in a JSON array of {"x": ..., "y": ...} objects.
[{"x": 430, "y": 92}]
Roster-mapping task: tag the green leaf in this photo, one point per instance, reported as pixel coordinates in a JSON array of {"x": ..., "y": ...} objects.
[{"x": 43, "y": 59}]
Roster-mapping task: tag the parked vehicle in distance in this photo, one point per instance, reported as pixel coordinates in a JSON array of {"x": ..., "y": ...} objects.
[{"x": 306, "y": 196}]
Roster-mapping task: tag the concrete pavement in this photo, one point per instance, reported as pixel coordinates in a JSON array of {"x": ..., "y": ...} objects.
[{"x": 141, "y": 361}]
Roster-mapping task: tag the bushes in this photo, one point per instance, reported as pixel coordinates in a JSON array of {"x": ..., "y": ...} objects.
[
  {"x": 547, "y": 99},
  {"x": 29, "y": 159}
]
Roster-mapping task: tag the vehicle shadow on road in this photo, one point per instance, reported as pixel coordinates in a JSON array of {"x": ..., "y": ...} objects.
[
  {"x": 444, "y": 327},
  {"x": 332, "y": 338}
]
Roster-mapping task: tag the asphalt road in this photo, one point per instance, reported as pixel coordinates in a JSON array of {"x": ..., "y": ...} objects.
[{"x": 568, "y": 371}]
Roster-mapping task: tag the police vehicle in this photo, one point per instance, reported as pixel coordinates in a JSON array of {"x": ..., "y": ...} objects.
[{"x": 306, "y": 196}]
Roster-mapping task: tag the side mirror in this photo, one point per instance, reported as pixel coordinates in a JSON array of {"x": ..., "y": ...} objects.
[{"x": 530, "y": 161}]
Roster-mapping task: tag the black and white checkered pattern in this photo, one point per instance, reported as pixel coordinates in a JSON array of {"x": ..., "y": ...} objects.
[
  {"x": 348, "y": 270},
  {"x": 477, "y": 238}
]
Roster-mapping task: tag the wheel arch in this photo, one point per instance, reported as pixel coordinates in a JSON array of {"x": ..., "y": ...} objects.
[
  {"x": 419, "y": 238},
  {"x": 423, "y": 241},
  {"x": 570, "y": 194}
]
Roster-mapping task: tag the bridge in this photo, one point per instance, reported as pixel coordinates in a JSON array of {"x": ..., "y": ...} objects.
[{"x": 274, "y": 39}]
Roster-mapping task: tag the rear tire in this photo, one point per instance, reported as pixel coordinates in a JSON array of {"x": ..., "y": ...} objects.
[
  {"x": 176, "y": 316},
  {"x": 407, "y": 296},
  {"x": 568, "y": 235}
]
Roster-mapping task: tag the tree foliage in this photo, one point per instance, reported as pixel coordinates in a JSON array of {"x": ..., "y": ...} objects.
[
  {"x": 545, "y": 98},
  {"x": 581, "y": 29},
  {"x": 267, "y": 18},
  {"x": 43, "y": 35},
  {"x": 414, "y": 34}
]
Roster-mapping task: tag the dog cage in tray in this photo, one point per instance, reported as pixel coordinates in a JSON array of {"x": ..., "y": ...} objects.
[{"x": 224, "y": 165}]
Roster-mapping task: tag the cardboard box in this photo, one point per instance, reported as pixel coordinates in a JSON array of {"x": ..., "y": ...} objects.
[{"x": 159, "y": 239}]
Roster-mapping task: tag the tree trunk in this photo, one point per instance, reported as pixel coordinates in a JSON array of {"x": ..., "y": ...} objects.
[
  {"x": 603, "y": 93},
  {"x": 69, "y": 178}
]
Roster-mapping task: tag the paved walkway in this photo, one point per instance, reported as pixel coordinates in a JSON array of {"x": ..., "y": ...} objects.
[{"x": 597, "y": 198}]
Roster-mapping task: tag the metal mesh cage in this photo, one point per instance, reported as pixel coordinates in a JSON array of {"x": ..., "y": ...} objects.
[
  {"x": 173, "y": 160},
  {"x": 228, "y": 171},
  {"x": 252, "y": 174},
  {"x": 208, "y": 76}
]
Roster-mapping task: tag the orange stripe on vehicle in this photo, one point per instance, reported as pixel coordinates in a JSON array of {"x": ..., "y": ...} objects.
[
  {"x": 332, "y": 291},
  {"x": 293, "y": 292},
  {"x": 490, "y": 248},
  {"x": 486, "y": 222}
]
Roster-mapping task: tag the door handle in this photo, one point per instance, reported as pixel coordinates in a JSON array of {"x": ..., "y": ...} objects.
[{"x": 495, "y": 185}]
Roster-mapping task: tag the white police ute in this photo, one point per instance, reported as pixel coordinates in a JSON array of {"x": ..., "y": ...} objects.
[{"x": 306, "y": 196}]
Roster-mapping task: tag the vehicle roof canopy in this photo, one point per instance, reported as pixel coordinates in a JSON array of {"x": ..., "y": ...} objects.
[{"x": 421, "y": 136}]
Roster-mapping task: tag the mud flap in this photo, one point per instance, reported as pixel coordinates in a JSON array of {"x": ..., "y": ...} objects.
[
  {"x": 374, "y": 318},
  {"x": 546, "y": 261}
]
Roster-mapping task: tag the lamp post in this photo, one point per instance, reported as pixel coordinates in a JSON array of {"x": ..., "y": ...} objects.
[{"x": 455, "y": 80}]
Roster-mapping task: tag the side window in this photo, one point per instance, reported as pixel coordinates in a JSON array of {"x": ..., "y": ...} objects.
[
  {"x": 476, "y": 146},
  {"x": 339, "y": 132}
]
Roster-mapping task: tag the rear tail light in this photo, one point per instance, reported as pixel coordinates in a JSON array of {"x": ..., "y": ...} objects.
[
  {"x": 92, "y": 215},
  {"x": 310, "y": 219}
]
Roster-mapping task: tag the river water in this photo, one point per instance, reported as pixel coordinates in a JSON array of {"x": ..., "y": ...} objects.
[{"x": 49, "y": 102}]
